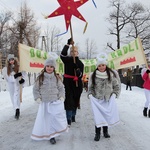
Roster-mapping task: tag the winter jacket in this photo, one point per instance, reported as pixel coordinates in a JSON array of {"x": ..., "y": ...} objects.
[
  {"x": 10, "y": 78},
  {"x": 146, "y": 78},
  {"x": 103, "y": 88},
  {"x": 129, "y": 75},
  {"x": 50, "y": 90}
]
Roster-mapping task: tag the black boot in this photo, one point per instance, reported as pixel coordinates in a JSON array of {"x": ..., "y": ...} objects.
[
  {"x": 17, "y": 115},
  {"x": 52, "y": 141},
  {"x": 149, "y": 113},
  {"x": 97, "y": 134},
  {"x": 73, "y": 119},
  {"x": 69, "y": 122},
  {"x": 105, "y": 132},
  {"x": 145, "y": 111}
]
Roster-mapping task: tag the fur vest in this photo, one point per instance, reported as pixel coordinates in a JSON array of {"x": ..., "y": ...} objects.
[
  {"x": 50, "y": 90},
  {"x": 103, "y": 89}
]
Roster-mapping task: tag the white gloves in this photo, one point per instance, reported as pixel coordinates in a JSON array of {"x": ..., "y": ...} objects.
[
  {"x": 38, "y": 100},
  {"x": 62, "y": 99}
]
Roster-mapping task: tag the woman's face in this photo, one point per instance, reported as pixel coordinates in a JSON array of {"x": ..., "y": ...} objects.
[
  {"x": 49, "y": 69},
  {"x": 101, "y": 67}
]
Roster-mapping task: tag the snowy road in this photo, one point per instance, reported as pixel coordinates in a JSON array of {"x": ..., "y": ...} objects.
[{"x": 133, "y": 132}]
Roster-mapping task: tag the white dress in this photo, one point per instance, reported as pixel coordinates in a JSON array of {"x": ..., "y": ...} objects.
[
  {"x": 105, "y": 112},
  {"x": 50, "y": 121},
  {"x": 15, "y": 89}
]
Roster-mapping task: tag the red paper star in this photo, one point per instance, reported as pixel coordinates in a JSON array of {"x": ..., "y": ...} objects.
[{"x": 68, "y": 8}]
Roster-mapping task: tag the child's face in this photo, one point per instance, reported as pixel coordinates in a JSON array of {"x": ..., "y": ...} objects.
[
  {"x": 74, "y": 52},
  {"x": 49, "y": 69},
  {"x": 11, "y": 61},
  {"x": 101, "y": 67}
]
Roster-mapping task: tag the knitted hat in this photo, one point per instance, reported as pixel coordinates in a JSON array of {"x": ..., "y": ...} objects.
[
  {"x": 10, "y": 56},
  {"x": 50, "y": 62},
  {"x": 102, "y": 58}
]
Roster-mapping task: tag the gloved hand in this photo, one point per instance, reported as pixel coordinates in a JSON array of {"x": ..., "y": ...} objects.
[
  {"x": 21, "y": 81},
  {"x": 147, "y": 71},
  {"x": 17, "y": 75},
  {"x": 62, "y": 99},
  {"x": 90, "y": 96},
  {"x": 38, "y": 100},
  {"x": 70, "y": 41},
  {"x": 113, "y": 95}
]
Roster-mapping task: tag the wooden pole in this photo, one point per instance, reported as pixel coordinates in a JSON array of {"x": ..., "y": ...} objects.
[
  {"x": 74, "y": 60},
  {"x": 143, "y": 54},
  {"x": 19, "y": 70}
]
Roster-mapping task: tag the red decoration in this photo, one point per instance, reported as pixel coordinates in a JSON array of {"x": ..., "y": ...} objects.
[
  {"x": 129, "y": 60},
  {"x": 36, "y": 65},
  {"x": 68, "y": 8}
]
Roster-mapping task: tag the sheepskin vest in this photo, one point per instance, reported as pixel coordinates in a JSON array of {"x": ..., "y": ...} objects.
[
  {"x": 50, "y": 90},
  {"x": 103, "y": 88}
]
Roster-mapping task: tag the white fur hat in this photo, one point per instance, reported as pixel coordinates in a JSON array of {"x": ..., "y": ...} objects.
[
  {"x": 50, "y": 62},
  {"x": 102, "y": 58},
  {"x": 10, "y": 56}
]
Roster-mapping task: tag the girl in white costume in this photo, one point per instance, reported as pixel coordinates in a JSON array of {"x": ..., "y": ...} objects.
[
  {"x": 51, "y": 117},
  {"x": 14, "y": 80},
  {"x": 103, "y": 88}
]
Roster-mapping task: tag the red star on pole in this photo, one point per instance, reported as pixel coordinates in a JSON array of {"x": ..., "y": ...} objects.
[{"x": 68, "y": 8}]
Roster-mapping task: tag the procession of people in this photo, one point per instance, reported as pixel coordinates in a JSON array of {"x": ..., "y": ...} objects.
[{"x": 59, "y": 96}]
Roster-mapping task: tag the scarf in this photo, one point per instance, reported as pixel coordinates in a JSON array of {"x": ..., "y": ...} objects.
[{"x": 102, "y": 75}]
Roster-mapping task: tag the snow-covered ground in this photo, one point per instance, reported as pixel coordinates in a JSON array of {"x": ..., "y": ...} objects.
[{"x": 133, "y": 132}]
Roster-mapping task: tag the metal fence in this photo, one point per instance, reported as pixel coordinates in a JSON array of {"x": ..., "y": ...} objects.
[{"x": 136, "y": 81}]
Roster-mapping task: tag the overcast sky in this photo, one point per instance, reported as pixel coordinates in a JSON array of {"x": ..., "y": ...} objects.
[{"x": 97, "y": 29}]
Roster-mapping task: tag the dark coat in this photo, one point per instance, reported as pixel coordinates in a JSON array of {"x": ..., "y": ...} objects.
[{"x": 72, "y": 90}]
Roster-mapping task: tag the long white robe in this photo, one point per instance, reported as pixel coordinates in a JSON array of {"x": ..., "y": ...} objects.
[
  {"x": 105, "y": 112},
  {"x": 50, "y": 121},
  {"x": 15, "y": 89}
]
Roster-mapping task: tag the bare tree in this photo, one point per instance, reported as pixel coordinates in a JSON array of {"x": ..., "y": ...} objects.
[
  {"x": 117, "y": 19},
  {"x": 24, "y": 29},
  {"x": 4, "y": 19},
  {"x": 131, "y": 21},
  {"x": 53, "y": 40},
  {"x": 90, "y": 47},
  {"x": 139, "y": 24},
  {"x": 128, "y": 22}
]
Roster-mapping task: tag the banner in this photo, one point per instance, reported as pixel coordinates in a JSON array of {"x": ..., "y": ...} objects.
[
  {"x": 32, "y": 60},
  {"x": 132, "y": 54},
  {"x": 129, "y": 55}
]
